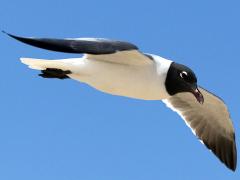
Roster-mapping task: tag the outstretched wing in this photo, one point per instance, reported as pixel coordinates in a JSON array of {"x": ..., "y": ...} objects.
[
  {"x": 94, "y": 48},
  {"x": 210, "y": 122}
]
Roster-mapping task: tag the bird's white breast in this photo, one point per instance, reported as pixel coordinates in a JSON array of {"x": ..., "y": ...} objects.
[{"x": 140, "y": 82}]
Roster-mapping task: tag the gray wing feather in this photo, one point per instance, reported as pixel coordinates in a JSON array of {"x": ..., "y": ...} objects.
[
  {"x": 80, "y": 45},
  {"x": 210, "y": 122}
]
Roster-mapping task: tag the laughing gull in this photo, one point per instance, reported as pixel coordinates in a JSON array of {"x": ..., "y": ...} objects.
[{"x": 119, "y": 68}]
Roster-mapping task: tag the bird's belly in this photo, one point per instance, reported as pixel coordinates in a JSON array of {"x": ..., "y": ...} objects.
[{"x": 123, "y": 80}]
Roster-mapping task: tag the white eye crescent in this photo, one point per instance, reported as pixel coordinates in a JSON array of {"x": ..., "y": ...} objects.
[{"x": 183, "y": 74}]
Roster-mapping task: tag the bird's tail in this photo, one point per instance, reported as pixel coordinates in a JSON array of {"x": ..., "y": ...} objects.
[
  {"x": 49, "y": 68},
  {"x": 41, "y": 64}
]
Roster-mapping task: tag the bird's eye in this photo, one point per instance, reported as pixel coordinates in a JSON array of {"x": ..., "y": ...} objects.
[{"x": 183, "y": 74}]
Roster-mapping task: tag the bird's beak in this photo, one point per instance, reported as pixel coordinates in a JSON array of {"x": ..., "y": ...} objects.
[{"x": 198, "y": 95}]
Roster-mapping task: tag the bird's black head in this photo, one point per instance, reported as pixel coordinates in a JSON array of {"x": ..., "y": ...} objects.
[{"x": 182, "y": 79}]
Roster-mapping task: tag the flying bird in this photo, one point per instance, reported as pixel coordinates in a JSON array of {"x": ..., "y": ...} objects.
[{"x": 120, "y": 68}]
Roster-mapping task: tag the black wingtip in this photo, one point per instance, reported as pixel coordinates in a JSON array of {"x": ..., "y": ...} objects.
[
  {"x": 8, "y": 34},
  {"x": 232, "y": 168}
]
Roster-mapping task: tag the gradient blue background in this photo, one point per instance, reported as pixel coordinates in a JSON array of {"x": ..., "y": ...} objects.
[{"x": 64, "y": 130}]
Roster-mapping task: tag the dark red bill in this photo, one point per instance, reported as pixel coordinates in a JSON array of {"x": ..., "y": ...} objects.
[{"x": 198, "y": 95}]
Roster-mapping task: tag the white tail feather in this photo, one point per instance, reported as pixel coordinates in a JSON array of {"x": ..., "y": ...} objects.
[{"x": 40, "y": 64}]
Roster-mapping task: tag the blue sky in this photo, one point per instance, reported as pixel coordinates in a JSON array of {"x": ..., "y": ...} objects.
[{"x": 64, "y": 130}]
